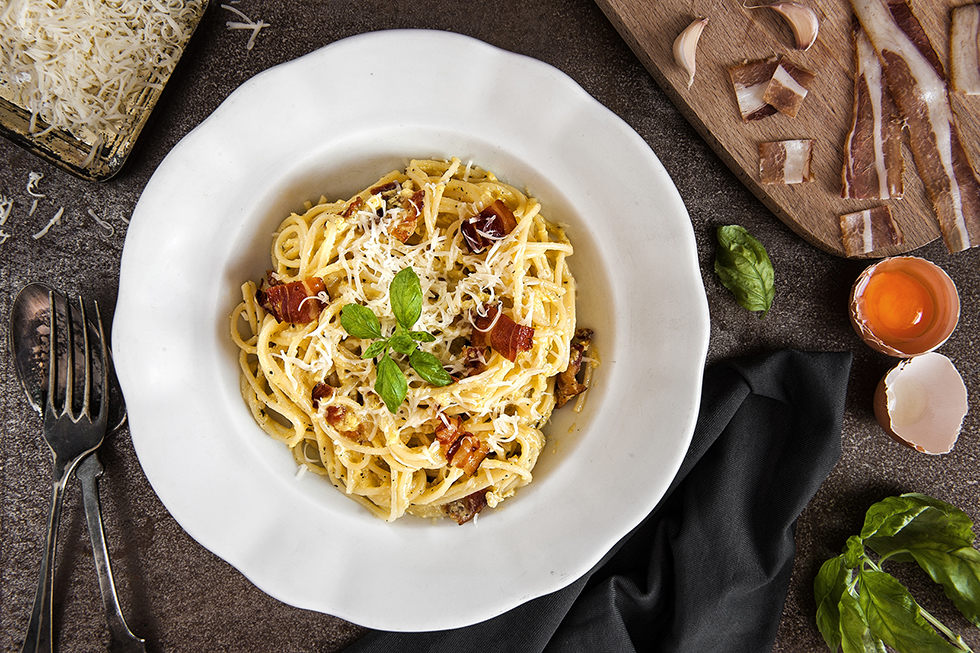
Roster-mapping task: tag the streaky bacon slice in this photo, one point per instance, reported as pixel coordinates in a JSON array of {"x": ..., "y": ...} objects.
[
  {"x": 785, "y": 162},
  {"x": 467, "y": 453},
  {"x": 750, "y": 81},
  {"x": 788, "y": 87},
  {"x": 492, "y": 328},
  {"x": 863, "y": 232},
  {"x": 566, "y": 385},
  {"x": 918, "y": 86},
  {"x": 296, "y": 302},
  {"x": 873, "y": 164},
  {"x": 964, "y": 49}
]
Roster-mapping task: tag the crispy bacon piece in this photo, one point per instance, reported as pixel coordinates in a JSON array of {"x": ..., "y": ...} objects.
[
  {"x": 785, "y": 162},
  {"x": 866, "y": 231},
  {"x": 964, "y": 49},
  {"x": 404, "y": 225},
  {"x": 449, "y": 430},
  {"x": 465, "y": 509},
  {"x": 345, "y": 421},
  {"x": 467, "y": 453},
  {"x": 354, "y": 205},
  {"x": 492, "y": 223},
  {"x": 494, "y": 329},
  {"x": 873, "y": 148},
  {"x": 474, "y": 361},
  {"x": 566, "y": 385},
  {"x": 322, "y": 391},
  {"x": 788, "y": 87},
  {"x": 917, "y": 83},
  {"x": 296, "y": 302},
  {"x": 750, "y": 81}
]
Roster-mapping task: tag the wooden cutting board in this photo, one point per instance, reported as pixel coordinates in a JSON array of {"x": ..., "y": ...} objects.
[{"x": 735, "y": 34}]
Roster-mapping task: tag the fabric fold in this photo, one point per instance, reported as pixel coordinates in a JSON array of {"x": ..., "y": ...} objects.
[{"x": 709, "y": 568}]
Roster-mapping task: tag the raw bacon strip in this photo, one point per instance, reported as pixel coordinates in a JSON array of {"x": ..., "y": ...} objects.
[
  {"x": 865, "y": 231},
  {"x": 296, "y": 302},
  {"x": 964, "y": 50},
  {"x": 788, "y": 87},
  {"x": 873, "y": 163},
  {"x": 785, "y": 162},
  {"x": 750, "y": 81},
  {"x": 919, "y": 89},
  {"x": 496, "y": 330}
]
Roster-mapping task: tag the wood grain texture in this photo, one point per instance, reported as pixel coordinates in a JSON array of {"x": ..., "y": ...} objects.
[{"x": 735, "y": 34}]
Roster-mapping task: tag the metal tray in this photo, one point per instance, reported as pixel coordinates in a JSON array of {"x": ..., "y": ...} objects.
[{"x": 70, "y": 151}]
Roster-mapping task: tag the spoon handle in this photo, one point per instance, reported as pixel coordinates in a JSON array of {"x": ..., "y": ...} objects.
[
  {"x": 123, "y": 638},
  {"x": 39, "y": 636}
]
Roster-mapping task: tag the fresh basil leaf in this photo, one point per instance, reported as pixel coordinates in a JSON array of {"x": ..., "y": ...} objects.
[
  {"x": 429, "y": 368},
  {"x": 376, "y": 348},
  {"x": 855, "y": 632},
  {"x": 422, "y": 336},
  {"x": 895, "y": 618},
  {"x": 391, "y": 384},
  {"x": 402, "y": 343},
  {"x": 405, "y": 293},
  {"x": 359, "y": 321},
  {"x": 854, "y": 555},
  {"x": 743, "y": 266},
  {"x": 959, "y": 573},
  {"x": 828, "y": 588},
  {"x": 915, "y": 521}
]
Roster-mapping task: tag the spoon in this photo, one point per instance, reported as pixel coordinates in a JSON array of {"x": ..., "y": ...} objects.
[{"x": 28, "y": 343}]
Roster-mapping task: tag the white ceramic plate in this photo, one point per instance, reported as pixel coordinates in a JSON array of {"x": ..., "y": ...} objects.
[{"x": 331, "y": 123}]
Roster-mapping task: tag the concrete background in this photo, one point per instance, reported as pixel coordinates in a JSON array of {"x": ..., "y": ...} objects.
[{"x": 180, "y": 596}]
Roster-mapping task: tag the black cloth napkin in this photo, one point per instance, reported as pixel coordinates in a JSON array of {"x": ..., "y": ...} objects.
[{"x": 709, "y": 568}]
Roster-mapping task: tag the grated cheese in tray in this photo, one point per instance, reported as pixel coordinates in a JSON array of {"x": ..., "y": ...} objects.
[{"x": 81, "y": 65}]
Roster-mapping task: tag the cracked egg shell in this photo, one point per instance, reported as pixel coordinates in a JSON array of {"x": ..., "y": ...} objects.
[
  {"x": 904, "y": 306},
  {"x": 921, "y": 403}
]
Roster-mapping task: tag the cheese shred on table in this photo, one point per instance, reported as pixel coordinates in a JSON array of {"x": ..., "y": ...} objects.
[{"x": 81, "y": 65}]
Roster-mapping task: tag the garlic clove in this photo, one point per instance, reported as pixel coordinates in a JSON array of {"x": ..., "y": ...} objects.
[
  {"x": 802, "y": 20},
  {"x": 686, "y": 45}
]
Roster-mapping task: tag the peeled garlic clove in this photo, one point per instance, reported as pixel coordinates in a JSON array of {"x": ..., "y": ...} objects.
[
  {"x": 686, "y": 46},
  {"x": 921, "y": 403},
  {"x": 802, "y": 20}
]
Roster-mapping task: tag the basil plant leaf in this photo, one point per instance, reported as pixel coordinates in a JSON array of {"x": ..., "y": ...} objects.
[
  {"x": 402, "y": 343},
  {"x": 828, "y": 588},
  {"x": 855, "y": 633},
  {"x": 743, "y": 266},
  {"x": 895, "y": 618},
  {"x": 421, "y": 336},
  {"x": 360, "y": 321},
  {"x": 959, "y": 573},
  {"x": 391, "y": 384},
  {"x": 405, "y": 292},
  {"x": 376, "y": 348},
  {"x": 429, "y": 368},
  {"x": 896, "y": 525}
]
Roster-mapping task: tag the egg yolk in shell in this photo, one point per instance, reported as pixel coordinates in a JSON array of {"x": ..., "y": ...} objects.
[{"x": 898, "y": 305}]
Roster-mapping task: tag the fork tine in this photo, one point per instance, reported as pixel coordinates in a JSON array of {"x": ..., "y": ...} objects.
[
  {"x": 103, "y": 416},
  {"x": 52, "y": 347},
  {"x": 87, "y": 390}
]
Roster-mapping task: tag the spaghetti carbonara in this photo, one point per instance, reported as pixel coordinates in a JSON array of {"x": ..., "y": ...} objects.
[{"x": 497, "y": 303}]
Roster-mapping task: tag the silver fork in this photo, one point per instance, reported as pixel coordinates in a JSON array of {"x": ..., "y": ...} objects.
[{"x": 70, "y": 436}]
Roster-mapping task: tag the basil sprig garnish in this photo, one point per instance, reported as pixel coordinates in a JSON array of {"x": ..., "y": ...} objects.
[
  {"x": 405, "y": 295},
  {"x": 860, "y": 607},
  {"x": 744, "y": 268}
]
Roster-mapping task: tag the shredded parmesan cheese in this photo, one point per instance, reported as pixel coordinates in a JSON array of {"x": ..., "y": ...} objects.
[
  {"x": 52, "y": 222},
  {"x": 256, "y": 27},
  {"x": 6, "y": 205},
  {"x": 81, "y": 65},
  {"x": 32, "y": 180},
  {"x": 109, "y": 229}
]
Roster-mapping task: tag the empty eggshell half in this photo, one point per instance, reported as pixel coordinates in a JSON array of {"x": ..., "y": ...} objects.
[{"x": 921, "y": 403}]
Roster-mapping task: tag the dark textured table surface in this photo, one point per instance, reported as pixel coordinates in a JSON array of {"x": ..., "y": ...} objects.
[{"x": 183, "y": 598}]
